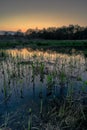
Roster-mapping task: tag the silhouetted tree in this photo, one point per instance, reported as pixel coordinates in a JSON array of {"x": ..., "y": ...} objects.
[{"x": 71, "y": 32}]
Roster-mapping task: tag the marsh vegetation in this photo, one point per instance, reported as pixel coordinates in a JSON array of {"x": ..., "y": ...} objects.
[{"x": 43, "y": 90}]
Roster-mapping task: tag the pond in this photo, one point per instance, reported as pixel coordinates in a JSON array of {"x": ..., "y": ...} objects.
[{"x": 31, "y": 81}]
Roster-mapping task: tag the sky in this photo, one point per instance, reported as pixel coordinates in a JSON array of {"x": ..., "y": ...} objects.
[{"x": 24, "y": 14}]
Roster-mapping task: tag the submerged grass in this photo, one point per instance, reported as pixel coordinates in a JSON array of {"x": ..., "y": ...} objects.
[{"x": 66, "y": 107}]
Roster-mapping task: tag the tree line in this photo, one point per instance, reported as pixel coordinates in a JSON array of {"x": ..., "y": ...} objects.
[{"x": 71, "y": 32}]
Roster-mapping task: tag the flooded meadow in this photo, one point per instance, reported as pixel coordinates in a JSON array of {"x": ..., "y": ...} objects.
[{"x": 43, "y": 90}]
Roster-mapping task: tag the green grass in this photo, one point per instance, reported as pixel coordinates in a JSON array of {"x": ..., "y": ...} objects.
[{"x": 43, "y": 43}]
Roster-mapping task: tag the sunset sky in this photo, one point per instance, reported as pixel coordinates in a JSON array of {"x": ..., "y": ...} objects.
[{"x": 24, "y": 14}]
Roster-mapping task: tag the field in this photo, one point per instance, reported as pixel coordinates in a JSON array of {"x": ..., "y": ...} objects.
[
  {"x": 12, "y": 43},
  {"x": 43, "y": 85}
]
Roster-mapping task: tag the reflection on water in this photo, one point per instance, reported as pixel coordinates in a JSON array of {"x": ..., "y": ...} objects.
[{"x": 30, "y": 78}]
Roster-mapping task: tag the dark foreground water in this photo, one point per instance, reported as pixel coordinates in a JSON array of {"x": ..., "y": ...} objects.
[{"x": 30, "y": 81}]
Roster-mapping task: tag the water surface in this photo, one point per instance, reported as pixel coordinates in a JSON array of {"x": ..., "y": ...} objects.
[{"x": 29, "y": 78}]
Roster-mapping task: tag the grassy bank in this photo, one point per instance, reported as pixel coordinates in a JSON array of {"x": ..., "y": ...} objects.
[{"x": 43, "y": 43}]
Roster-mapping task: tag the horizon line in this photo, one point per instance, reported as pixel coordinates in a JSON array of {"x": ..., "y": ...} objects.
[{"x": 24, "y": 30}]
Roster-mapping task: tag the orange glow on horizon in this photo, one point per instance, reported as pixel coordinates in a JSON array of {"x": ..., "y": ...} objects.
[
  {"x": 25, "y": 14},
  {"x": 24, "y": 22}
]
